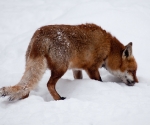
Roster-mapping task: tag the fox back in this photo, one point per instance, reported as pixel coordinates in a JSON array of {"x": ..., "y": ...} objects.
[{"x": 78, "y": 46}]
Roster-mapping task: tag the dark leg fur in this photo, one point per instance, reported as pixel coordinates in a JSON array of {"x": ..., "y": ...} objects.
[
  {"x": 77, "y": 74},
  {"x": 94, "y": 74}
]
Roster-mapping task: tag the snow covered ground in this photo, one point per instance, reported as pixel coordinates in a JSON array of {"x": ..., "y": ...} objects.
[{"x": 88, "y": 102}]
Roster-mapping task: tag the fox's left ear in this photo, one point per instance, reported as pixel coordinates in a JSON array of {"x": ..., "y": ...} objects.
[{"x": 127, "y": 51}]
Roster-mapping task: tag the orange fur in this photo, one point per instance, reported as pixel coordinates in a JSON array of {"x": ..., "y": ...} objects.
[{"x": 62, "y": 47}]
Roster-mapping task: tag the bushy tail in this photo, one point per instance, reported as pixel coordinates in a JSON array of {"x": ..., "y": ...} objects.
[{"x": 34, "y": 71}]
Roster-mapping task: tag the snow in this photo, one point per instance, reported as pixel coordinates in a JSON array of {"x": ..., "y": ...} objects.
[{"x": 88, "y": 102}]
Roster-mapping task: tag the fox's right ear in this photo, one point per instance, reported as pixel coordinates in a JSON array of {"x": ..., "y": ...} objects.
[{"x": 127, "y": 51}]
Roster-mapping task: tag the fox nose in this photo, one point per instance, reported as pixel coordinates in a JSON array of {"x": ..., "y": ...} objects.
[{"x": 130, "y": 83}]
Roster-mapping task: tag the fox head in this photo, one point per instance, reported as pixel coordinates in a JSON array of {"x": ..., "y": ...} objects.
[{"x": 126, "y": 67}]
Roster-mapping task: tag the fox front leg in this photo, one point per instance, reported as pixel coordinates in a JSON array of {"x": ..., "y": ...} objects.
[{"x": 94, "y": 74}]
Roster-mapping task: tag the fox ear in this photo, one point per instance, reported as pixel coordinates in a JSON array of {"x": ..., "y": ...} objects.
[{"x": 127, "y": 51}]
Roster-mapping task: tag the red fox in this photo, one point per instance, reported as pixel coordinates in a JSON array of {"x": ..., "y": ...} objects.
[{"x": 78, "y": 47}]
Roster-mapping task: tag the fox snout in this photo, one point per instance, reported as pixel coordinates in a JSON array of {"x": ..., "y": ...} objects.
[
  {"x": 131, "y": 80},
  {"x": 130, "y": 83}
]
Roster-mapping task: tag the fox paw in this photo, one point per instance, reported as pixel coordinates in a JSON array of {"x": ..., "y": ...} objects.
[{"x": 62, "y": 98}]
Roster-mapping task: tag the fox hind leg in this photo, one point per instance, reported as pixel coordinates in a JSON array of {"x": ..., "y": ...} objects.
[{"x": 55, "y": 76}]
